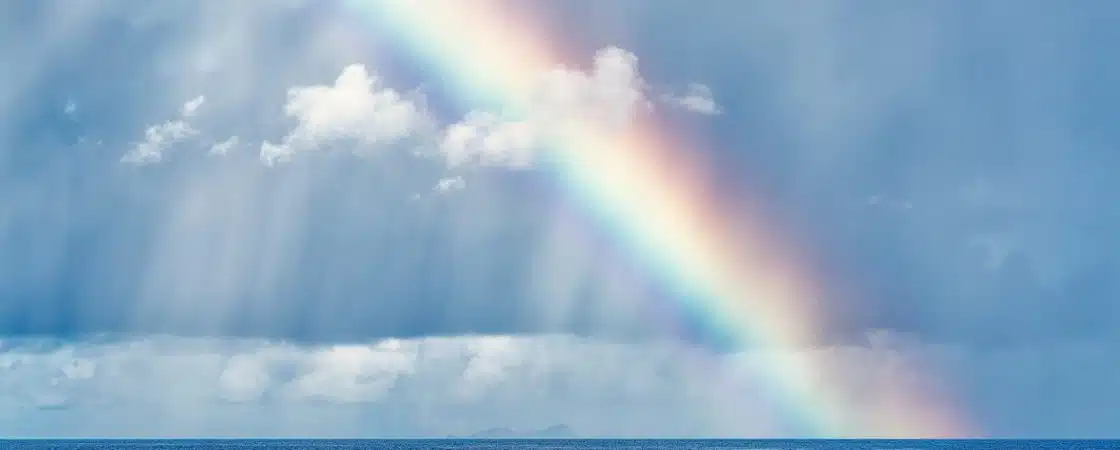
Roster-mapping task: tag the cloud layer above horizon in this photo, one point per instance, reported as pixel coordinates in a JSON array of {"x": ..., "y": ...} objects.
[{"x": 274, "y": 201}]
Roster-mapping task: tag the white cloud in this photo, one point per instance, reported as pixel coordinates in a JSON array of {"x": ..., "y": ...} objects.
[
  {"x": 450, "y": 184},
  {"x": 244, "y": 378},
  {"x": 71, "y": 108},
  {"x": 190, "y": 108},
  {"x": 489, "y": 362},
  {"x": 222, "y": 148},
  {"x": 696, "y": 98},
  {"x": 881, "y": 201},
  {"x": 427, "y": 386},
  {"x": 354, "y": 108},
  {"x": 483, "y": 138},
  {"x": 354, "y": 373},
  {"x": 159, "y": 138},
  {"x": 79, "y": 369},
  {"x": 273, "y": 154},
  {"x": 606, "y": 98}
]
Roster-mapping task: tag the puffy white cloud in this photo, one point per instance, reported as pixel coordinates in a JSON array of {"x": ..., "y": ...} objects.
[
  {"x": 607, "y": 98},
  {"x": 696, "y": 98},
  {"x": 354, "y": 373},
  {"x": 354, "y": 108},
  {"x": 484, "y": 138}
]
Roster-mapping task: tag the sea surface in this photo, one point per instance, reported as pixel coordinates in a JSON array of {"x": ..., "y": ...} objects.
[{"x": 541, "y": 444}]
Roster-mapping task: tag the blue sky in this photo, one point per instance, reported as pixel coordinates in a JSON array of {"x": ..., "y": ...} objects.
[{"x": 948, "y": 164}]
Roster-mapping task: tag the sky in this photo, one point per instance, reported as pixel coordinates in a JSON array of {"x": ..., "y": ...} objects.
[{"x": 271, "y": 218}]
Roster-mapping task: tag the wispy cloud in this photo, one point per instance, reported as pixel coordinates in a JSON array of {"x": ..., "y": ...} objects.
[
  {"x": 157, "y": 140},
  {"x": 222, "y": 148},
  {"x": 696, "y": 98},
  {"x": 450, "y": 184},
  {"x": 190, "y": 108}
]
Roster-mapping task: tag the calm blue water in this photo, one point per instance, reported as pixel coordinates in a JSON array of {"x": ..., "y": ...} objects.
[{"x": 578, "y": 444}]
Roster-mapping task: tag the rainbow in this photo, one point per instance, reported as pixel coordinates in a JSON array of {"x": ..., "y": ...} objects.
[{"x": 646, "y": 188}]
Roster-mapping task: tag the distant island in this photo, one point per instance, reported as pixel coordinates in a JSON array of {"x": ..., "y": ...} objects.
[{"x": 553, "y": 432}]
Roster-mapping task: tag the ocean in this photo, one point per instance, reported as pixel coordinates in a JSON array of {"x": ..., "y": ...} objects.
[{"x": 542, "y": 444}]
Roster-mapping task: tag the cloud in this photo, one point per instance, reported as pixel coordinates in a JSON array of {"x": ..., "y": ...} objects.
[
  {"x": 226, "y": 250},
  {"x": 71, "y": 108},
  {"x": 190, "y": 108},
  {"x": 436, "y": 386},
  {"x": 450, "y": 184},
  {"x": 422, "y": 386},
  {"x": 79, "y": 369},
  {"x": 244, "y": 378},
  {"x": 354, "y": 373},
  {"x": 483, "y": 138},
  {"x": 159, "y": 138},
  {"x": 696, "y": 98},
  {"x": 354, "y": 108},
  {"x": 607, "y": 98},
  {"x": 222, "y": 148}
]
